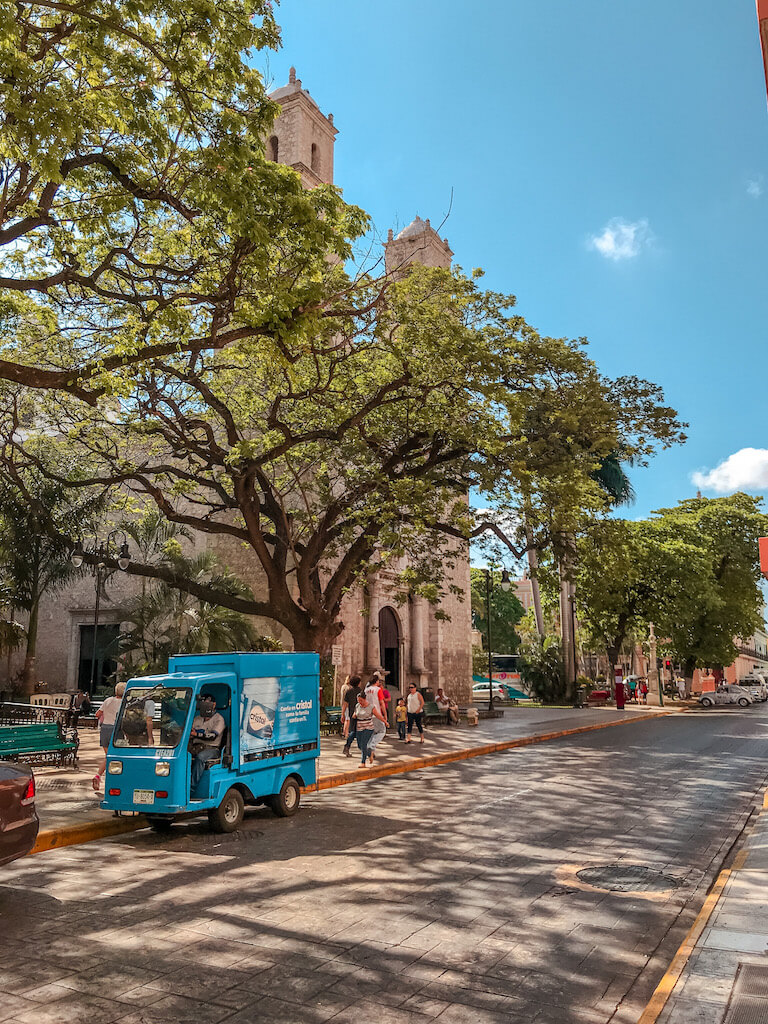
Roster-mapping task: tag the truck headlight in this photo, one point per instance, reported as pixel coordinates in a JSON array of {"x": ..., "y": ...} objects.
[
  {"x": 115, "y": 768},
  {"x": 163, "y": 768}
]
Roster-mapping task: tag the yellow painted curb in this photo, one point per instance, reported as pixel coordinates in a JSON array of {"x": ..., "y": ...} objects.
[
  {"x": 72, "y": 835},
  {"x": 671, "y": 977},
  {"x": 449, "y": 756}
]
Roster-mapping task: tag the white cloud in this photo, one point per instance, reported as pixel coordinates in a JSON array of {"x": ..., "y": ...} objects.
[
  {"x": 755, "y": 187},
  {"x": 622, "y": 239},
  {"x": 745, "y": 470}
]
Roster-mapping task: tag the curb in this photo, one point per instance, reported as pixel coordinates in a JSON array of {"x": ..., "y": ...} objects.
[
  {"x": 363, "y": 774},
  {"x": 74, "y": 835},
  {"x": 666, "y": 986}
]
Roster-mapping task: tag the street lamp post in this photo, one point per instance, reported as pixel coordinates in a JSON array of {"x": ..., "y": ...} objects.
[
  {"x": 101, "y": 550},
  {"x": 505, "y": 585}
]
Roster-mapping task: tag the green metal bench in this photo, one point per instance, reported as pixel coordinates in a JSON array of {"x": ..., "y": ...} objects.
[
  {"x": 330, "y": 721},
  {"x": 432, "y": 712},
  {"x": 43, "y": 743}
]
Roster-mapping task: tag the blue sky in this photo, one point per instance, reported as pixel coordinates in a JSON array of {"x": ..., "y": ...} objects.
[{"x": 609, "y": 166}]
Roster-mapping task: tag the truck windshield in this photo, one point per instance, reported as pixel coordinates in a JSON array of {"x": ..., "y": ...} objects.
[{"x": 152, "y": 717}]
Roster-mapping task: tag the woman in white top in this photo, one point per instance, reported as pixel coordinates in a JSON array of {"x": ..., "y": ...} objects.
[
  {"x": 415, "y": 704},
  {"x": 106, "y": 717}
]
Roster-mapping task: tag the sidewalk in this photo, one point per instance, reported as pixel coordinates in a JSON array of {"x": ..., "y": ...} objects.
[
  {"x": 65, "y": 797},
  {"x": 721, "y": 976}
]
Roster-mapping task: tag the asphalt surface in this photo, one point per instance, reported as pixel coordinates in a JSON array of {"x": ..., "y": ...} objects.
[{"x": 449, "y": 893}]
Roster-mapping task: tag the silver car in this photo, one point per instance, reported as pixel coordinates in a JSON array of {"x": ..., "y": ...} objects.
[{"x": 726, "y": 693}]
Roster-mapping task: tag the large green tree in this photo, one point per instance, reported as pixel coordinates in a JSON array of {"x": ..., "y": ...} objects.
[
  {"x": 692, "y": 570},
  {"x": 184, "y": 316}
]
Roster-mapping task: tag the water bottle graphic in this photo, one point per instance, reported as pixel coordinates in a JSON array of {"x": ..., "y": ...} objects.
[{"x": 259, "y": 707}]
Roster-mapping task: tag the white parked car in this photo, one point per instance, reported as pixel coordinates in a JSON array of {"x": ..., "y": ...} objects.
[
  {"x": 756, "y": 686},
  {"x": 480, "y": 691},
  {"x": 728, "y": 693}
]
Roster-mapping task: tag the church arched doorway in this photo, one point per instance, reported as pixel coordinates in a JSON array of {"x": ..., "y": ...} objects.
[{"x": 389, "y": 646}]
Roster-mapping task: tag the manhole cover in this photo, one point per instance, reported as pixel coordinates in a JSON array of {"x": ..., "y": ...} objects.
[{"x": 628, "y": 878}]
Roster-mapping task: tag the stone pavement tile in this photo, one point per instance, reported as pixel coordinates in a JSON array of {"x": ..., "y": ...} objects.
[
  {"x": 111, "y": 978},
  {"x": 714, "y": 963},
  {"x": 174, "y": 1010},
  {"x": 73, "y": 1009},
  {"x": 745, "y": 942},
  {"x": 382, "y": 1012},
  {"x": 48, "y": 993},
  {"x": 287, "y": 984},
  {"x": 11, "y": 1005},
  {"x": 31, "y": 974},
  {"x": 569, "y": 1015},
  {"x": 458, "y": 1013},
  {"x": 424, "y": 969},
  {"x": 275, "y": 1011},
  {"x": 365, "y": 982},
  {"x": 211, "y": 984},
  {"x": 698, "y": 986},
  {"x": 474, "y": 997},
  {"x": 686, "y": 1011},
  {"x": 425, "y": 1005}
]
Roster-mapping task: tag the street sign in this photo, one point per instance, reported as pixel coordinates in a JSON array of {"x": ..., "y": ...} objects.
[{"x": 336, "y": 651}]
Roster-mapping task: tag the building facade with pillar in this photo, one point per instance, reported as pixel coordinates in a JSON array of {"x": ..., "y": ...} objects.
[{"x": 381, "y": 630}]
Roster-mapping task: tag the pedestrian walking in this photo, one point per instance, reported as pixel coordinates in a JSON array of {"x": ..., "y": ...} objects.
[
  {"x": 401, "y": 717},
  {"x": 364, "y": 715},
  {"x": 375, "y": 693},
  {"x": 348, "y": 713},
  {"x": 79, "y": 704},
  {"x": 106, "y": 716},
  {"x": 415, "y": 708}
]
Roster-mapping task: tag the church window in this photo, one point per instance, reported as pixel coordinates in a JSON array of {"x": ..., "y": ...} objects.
[
  {"x": 273, "y": 148},
  {"x": 315, "y": 158}
]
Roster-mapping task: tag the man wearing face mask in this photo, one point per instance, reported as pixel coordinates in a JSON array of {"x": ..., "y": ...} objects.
[{"x": 205, "y": 739}]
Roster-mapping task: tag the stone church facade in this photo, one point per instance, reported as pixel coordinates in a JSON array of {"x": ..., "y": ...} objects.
[{"x": 407, "y": 639}]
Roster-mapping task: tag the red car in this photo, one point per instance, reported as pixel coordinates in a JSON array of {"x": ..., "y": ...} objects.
[{"x": 18, "y": 818}]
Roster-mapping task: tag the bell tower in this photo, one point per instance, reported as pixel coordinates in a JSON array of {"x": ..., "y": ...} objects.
[
  {"x": 418, "y": 243},
  {"x": 302, "y": 137}
]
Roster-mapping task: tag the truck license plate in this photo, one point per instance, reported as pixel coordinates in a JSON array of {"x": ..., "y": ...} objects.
[{"x": 143, "y": 796}]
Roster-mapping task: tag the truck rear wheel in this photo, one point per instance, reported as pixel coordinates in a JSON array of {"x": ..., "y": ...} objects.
[
  {"x": 228, "y": 816},
  {"x": 286, "y": 802}
]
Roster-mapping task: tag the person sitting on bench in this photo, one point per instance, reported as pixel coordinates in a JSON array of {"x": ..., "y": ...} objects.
[
  {"x": 450, "y": 707},
  {"x": 205, "y": 740}
]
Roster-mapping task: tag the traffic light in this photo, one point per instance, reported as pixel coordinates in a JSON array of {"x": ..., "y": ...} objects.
[{"x": 667, "y": 664}]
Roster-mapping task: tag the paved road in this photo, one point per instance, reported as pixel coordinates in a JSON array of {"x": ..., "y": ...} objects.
[{"x": 446, "y": 894}]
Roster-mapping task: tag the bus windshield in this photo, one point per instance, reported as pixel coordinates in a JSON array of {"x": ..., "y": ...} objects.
[{"x": 152, "y": 717}]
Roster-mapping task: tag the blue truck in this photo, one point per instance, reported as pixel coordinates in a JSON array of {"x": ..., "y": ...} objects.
[{"x": 266, "y": 750}]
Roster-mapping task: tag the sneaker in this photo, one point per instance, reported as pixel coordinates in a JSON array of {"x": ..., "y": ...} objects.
[{"x": 96, "y": 783}]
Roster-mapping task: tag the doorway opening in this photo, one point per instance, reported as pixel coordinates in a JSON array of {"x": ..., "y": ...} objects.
[
  {"x": 107, "y": 649},
  {"x": 389, "y": 645}
]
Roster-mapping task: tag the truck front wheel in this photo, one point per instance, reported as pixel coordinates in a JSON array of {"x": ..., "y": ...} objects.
[
  {"x": 228, "y": 816},
  {"x": 286, "y": 802}
]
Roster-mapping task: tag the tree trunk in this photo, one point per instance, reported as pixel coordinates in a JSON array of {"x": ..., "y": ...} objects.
[
  {"x": 533, "y": 565},
  {"x": 29, "y": 675}
]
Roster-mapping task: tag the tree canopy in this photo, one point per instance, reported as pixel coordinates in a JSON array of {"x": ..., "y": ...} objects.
[
  {"x": 184, "y": 319},
  {"x": 692, "y": 570}
]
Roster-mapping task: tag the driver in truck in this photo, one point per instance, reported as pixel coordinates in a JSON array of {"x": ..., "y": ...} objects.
[{"x": 205, "y": 740}]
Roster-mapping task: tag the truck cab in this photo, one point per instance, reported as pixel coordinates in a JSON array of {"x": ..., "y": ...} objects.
[{"x": 265, "y": 753}]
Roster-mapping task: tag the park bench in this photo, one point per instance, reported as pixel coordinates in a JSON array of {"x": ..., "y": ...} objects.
[
  {"x": 432, "y": 712},
  {"x": 42, "y": 743},
  {"x": 330, "y": 721}
]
